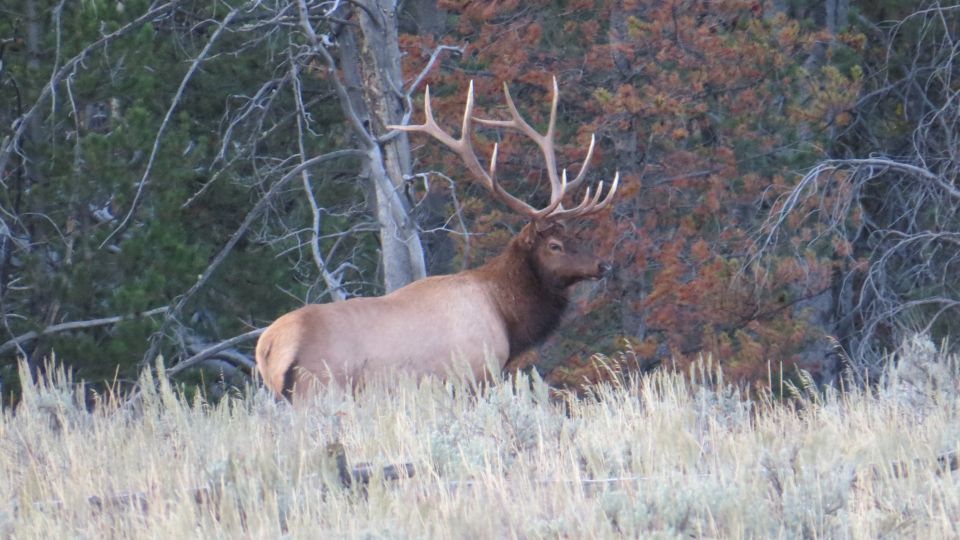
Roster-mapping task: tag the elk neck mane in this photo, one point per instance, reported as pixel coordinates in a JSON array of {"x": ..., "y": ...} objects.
[{"x": 530, "y": 309}]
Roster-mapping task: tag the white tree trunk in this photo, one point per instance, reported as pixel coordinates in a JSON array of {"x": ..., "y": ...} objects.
[{"x": 371, "y": 62}]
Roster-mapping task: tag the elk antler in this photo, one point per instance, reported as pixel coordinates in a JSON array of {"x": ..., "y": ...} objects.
[{"x": 559, "y": 186}]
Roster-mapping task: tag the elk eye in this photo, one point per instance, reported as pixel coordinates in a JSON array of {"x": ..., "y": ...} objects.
[{"x": 556, "y": 246}]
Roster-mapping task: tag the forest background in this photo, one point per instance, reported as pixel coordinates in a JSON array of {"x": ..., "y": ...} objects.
[{"x": 175, "y": 175}]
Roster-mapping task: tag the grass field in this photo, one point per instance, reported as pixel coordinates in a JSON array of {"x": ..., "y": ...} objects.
[{"x": 668, "y": 455}]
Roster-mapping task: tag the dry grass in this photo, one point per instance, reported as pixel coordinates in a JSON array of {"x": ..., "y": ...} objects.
[{"x": 658, "y": 457}]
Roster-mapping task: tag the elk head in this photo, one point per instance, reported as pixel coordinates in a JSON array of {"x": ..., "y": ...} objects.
[{"x": 556, "y": 258}]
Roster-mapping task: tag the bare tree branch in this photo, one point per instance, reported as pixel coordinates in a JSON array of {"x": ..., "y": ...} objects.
[
  {"x": 144, "y": 179},
  {"x": 213, "y": 350},
  {"x": 254, "y": 213},
  {"x": 418, "y": 80},
  {"x": 76, "y": 325},
  {"x": 12, "y": 143},
  {"x": 334, "y": 287}
]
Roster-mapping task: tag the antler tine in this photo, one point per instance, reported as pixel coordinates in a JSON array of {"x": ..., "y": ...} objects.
[
  {"x": 584, "y": 204},
  {"x": 609, "y": 198},
  {"x": 466, "y": 126},
  {"x": 493, "y": 163},
  {"x": 586, "y": 164},
  {"x": 463, "y": 147},
  {"x": 544, "y": 141},
  {"x": 494, "y": 183},
  {"x": 596, "y": 198},
  {"x": 430, "y": 126},
  {"x": 588, "y": 205},
  {"x": 552, "y": 160},
  {"x": 554, "y": 205},
  {"x": 553, "y": 109}
]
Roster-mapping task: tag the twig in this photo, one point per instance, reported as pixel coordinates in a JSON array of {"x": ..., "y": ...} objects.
[
  {"x": 174, "y": 312},
  {"x": 418, "y": 80},
  {"x": 457, "y": 211},
  {"x": 334, "y": 285},
  {"x": 20, "y": 125},
  {"x": 214, "y": 349},
  {"x": 345, "y": 103},
  {"x": 75, "y": 325},
  {"x": 163, "y": 126}
]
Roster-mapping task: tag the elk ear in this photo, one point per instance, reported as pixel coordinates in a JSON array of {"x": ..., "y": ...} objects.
[
  {"x": 528, "y": 236},
  {"x": 550, "y": 226}
]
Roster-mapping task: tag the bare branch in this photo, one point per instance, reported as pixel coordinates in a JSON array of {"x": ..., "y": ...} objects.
[
  {"x": 418, "y": 80},
  {"x": 317, "y": 44},
  {"x": 11, "y": 143},
  {"x": 166, "y": 121},
  {"x": 334, "y": 287},
  {"x": 213, "y": 350},
  {"x": 254, "y": 213},
  {"x": 76, "y": 325}
]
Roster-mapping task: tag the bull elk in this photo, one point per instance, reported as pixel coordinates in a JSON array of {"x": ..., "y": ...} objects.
[{"x": 472, "y": 320}]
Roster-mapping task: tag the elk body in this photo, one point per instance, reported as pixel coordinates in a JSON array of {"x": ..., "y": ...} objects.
[{"x": 457, "y": 324}]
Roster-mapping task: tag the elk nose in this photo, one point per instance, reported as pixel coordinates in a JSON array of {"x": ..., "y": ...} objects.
[{"x": 604, "y": 268}]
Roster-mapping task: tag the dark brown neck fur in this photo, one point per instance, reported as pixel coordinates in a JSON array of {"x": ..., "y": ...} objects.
[{"x": 530, "y": 308}]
